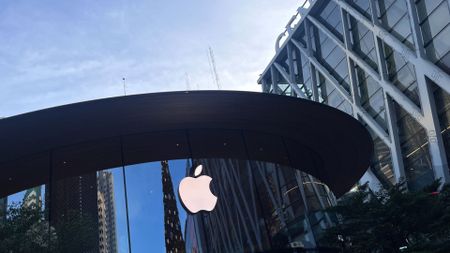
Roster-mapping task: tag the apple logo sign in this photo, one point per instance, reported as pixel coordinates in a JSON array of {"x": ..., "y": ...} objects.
[{"x": 195, "y": 194}]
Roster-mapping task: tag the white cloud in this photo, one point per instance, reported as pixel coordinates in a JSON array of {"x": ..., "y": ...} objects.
[{"x": 58, "y": 52}]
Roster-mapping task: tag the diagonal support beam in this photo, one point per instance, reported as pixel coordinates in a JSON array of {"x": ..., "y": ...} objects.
[
  {"x": 433, "y": 72},
  {"x": 287, "y": 78},
  {"x": 361, "y": 112},
  {"x": 390, "y": 88}
]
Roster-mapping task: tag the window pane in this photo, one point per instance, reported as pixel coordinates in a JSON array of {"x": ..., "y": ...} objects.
[{"x": 415, "y": 151}]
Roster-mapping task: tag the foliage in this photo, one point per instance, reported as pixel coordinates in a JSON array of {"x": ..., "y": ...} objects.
[
  {"x": 77, "y": 233},
  {"x": 26, "y": 229},
  {"x": 392, "y": 220}
]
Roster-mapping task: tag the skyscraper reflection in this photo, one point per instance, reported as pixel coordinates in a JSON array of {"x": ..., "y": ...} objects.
[
  {"x": 172, "y": 228},
  {"x": 106, "y": 212}
]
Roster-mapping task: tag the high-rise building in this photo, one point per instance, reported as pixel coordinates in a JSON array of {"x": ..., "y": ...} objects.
[
  {"x": 384, "y": 62},
  {"x": 172, "y": 227},
  {"x": 106, "y": 212}
]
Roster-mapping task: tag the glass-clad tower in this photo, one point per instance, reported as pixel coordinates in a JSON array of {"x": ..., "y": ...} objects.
[{"x": 386, "y": 63}]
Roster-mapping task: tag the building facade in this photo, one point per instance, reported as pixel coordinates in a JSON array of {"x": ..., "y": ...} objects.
[
  {"x": 257, "y": 160},
  {"x": 264, "y": 206},
  {"x": 107, "y": 212},
  {"x": 386, "y": 63}
]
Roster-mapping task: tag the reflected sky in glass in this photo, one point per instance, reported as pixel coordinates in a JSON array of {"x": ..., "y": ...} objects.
[{"x": 145, "y": 205}]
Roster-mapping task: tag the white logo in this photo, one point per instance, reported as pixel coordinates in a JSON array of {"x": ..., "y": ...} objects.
[{"x": 195, "y": 193}]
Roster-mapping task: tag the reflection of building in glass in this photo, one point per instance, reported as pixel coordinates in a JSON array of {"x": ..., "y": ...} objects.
[
  {"x": 106, "y": 213},
  {"x": 172, "y": 228},
  {"x": 261, "y": 206},
  {"x": 386, "y": 63},
  {"x": 74, "y": 211},
  {"x": 32, "y": 197},
  {"x": 102, "y": 228}
]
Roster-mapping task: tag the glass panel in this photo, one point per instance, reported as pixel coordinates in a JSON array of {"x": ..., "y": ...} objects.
[
  {"x": 393, "y": 15},
  {"x": 381, "y": 163},
  {"x": 435, "y": 26},
  {"x": 95, "y": 204},
  {"x": 424, "y": 8},
  {"x": 415, "y": 151},
  {"x": 363, "y": 43},
  {"x": 333, "y": 59},
  {"x": 112, "y": 211},
  {"x": 79, "y": 210},
  {"x": 363, "y": 6},
  {"x": 442, "y": 100},
  {"x": 330, "y": 16},
  {"x": 24, "y": 224},
  {"x": 24, "y": 212},
  {"x": 371, "y": 97},
  {"x": 402, "y": 74}
]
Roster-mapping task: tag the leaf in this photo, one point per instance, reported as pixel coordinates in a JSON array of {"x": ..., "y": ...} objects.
[{"x": 198, "y": 170}]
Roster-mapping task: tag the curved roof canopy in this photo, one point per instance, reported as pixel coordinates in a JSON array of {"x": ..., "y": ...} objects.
[{"x": 79, "y": 138}]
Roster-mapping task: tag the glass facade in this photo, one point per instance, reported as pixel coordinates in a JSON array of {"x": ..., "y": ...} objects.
[
  {"x": 379, "y": 76},
  {"x": 415, "y": 150},
  {"x": 130, "y": 202},
  {"x": 371, "y": 97},
  {"x": 393, "y": 15},
  {"x": 434, "y": 20}
]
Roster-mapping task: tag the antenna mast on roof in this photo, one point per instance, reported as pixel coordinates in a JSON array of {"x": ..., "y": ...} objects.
[
  {"x": 124, "y": 87},
  {"x": 212, "y": 66}
]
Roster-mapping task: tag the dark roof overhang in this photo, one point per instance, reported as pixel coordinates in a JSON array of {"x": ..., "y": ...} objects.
[{"x": 78, "y": 138}]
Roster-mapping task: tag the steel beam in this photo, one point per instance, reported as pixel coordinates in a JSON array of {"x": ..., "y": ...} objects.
[
  {"x": 436, "y": 143},
  {"x": 309, "y": 54},
  {"x": 390, "y": 88},
  {"x": 433, "y": 72},
  {"x": 286, "y": 76},
  {"x": 361, "y": 112},
  {"x": 274, "y": 76}
]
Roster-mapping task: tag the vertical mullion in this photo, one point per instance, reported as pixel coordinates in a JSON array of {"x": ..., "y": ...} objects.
[{"x": 312, "y": 68}]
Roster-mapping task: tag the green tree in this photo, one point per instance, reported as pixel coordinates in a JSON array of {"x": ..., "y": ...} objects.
[
  {"x": 76, "y": 233},
  {"x": 24, "y": 230},
  {"x": 392, "y": 220}
]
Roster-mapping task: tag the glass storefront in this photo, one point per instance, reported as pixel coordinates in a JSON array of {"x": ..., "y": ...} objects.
[{"x": 115, "y": 196}]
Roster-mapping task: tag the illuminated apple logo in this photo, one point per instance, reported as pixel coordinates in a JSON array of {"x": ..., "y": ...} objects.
[{"x": 195, "y": 193}]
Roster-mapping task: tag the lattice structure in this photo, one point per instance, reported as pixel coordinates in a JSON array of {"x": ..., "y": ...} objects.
[{"x": 386, "y": 63}]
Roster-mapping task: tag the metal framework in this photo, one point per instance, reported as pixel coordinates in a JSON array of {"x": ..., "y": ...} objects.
[{"x": 426, "y": 116}]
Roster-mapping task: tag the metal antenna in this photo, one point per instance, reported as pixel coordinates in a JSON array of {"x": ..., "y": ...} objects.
[
  {"x": 124, "y": 87},
  {"x": 212, "y": 66}
]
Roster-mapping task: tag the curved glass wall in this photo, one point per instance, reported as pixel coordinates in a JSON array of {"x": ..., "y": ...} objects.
[{"x": 115, "y": 196}]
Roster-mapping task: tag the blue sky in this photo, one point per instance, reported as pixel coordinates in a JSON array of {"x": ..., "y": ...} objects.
[{"x": 58, "y": 52}]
